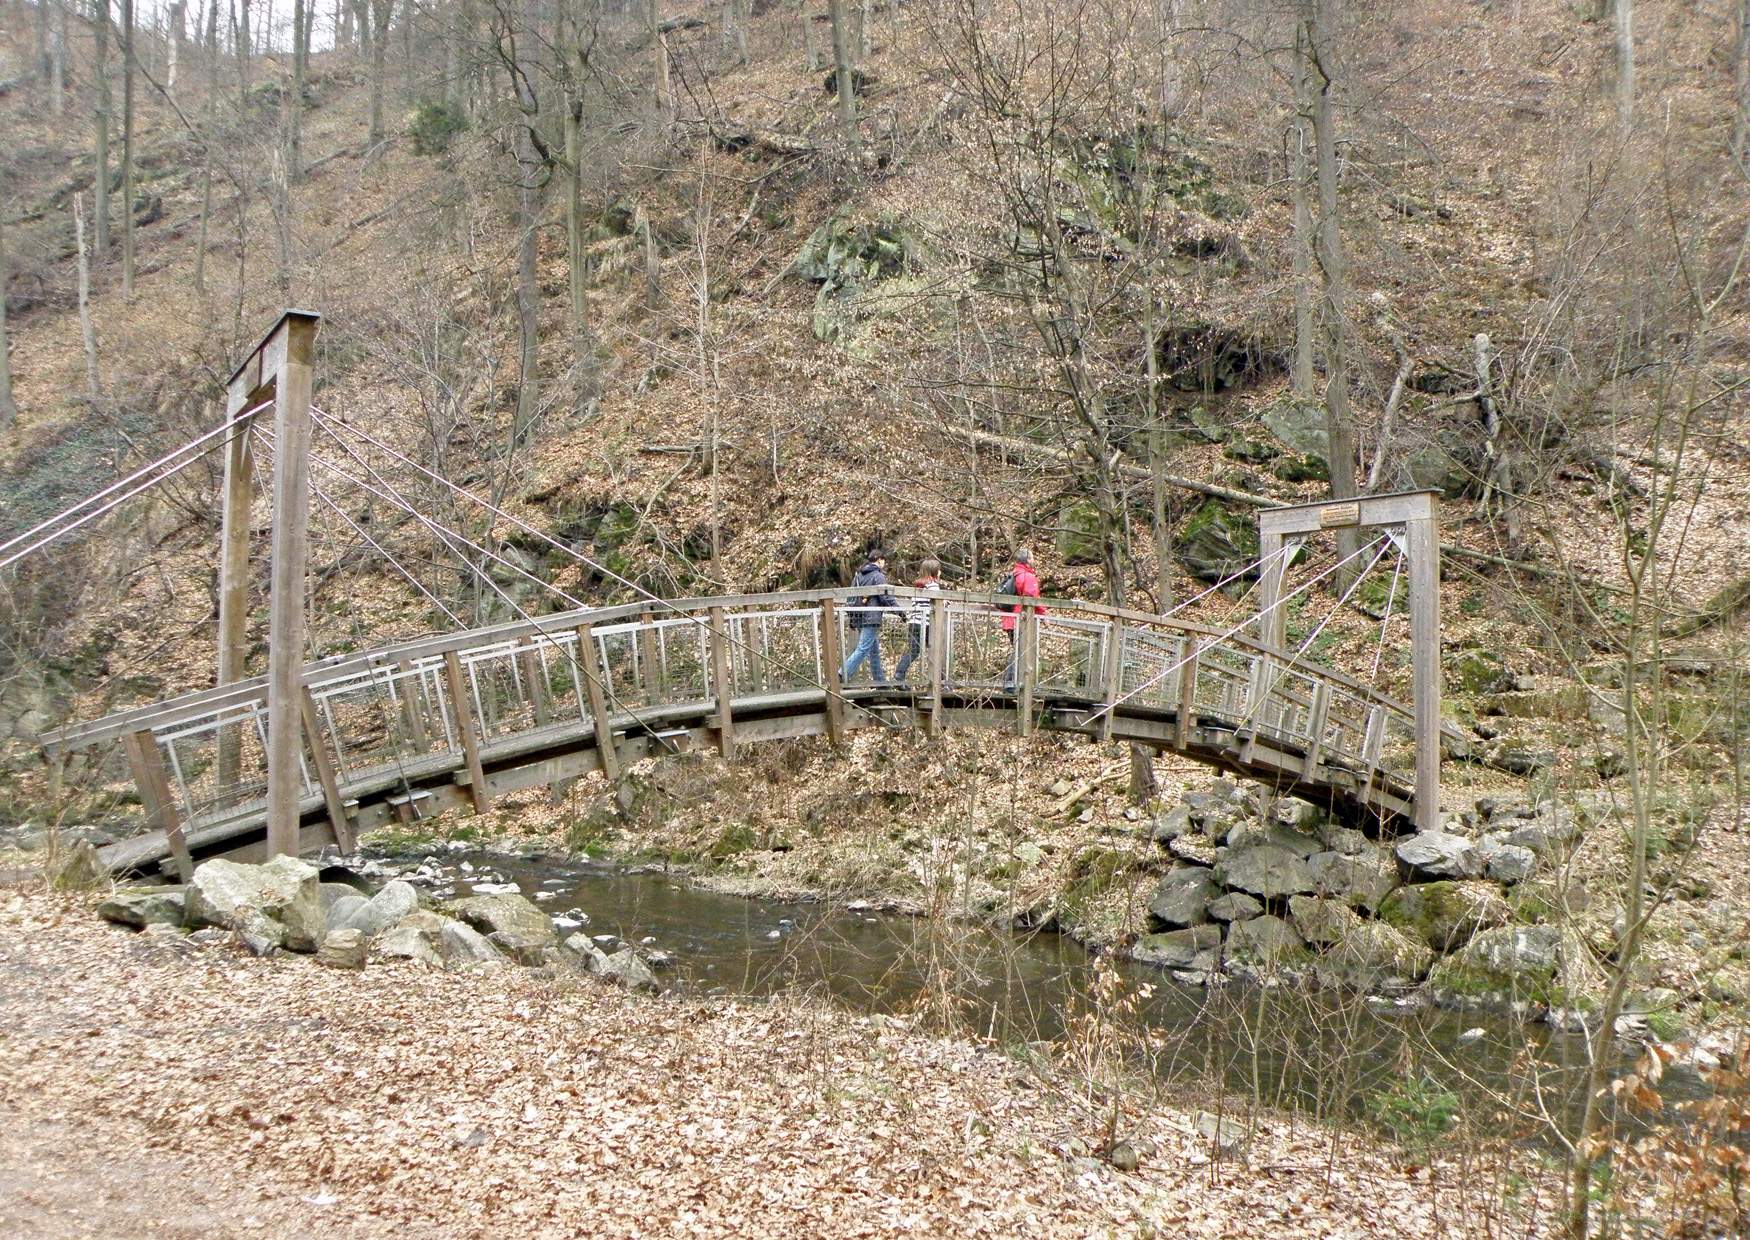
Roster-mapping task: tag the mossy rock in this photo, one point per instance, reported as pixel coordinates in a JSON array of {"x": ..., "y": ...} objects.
[
  {"x": 1535, "y": 964},
  {"x": 1077, "y": 541},
  {"x": 845, "y": 253},
  {"x": 1478, "y": 671},
  {"x": 1301, "y": 469},
  {"x": 1372, "y": 956},
  {"x": 1215, "y": 543},
  {"x": 1250, "y": 451},
  {"x": 1299, "y": 428},
  {"x": 1445, "y": 915}
]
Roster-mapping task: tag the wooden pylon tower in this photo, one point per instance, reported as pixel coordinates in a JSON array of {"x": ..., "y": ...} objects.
[{"x": 280, "y": 370}]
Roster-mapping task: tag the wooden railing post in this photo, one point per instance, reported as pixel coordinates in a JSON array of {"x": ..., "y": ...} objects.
[
  {"x": 467, "y": 732},
  {"x": 338, "y": 822},
  {"x": 937, "y": 636},
  {"x": 1187, "y": 695},
  {"x": 1113, "y": 675},
  {"x": 1026, "y": 666},
  {"x": 831, "y": 663},
  {"x": 649, "y": 659},
  {"x": 1319, "y": 716},
  {"x": 590, "y": 671},
  {"x": 529, "y": 663},
  {"x": 410, "y": 703},
  {"x": 155, "y": 795},
  {"x": 722, "y": 686}
]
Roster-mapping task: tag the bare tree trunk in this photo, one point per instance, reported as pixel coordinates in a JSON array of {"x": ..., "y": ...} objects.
[
  {"x": 1303, "y": 231},
  {"x": 1625, "y": 64},
  {"x": 841, "y": 54},
  {"x": 813, "y": 57},
  {"x": 379, "y": 59},
  {"x": 40, "y": 51},
  {"x": 58, "y": 61},
  {"x": 1328, "y": 250},
  {"x": 528, "y": 222},
  {"x": 104, "y": 103},
  {"x": 1741, "y": 129},
  {"x": 294, "y": 103},
  {"x": 244, "y": 50},
  {"x": 86, "y": 331},
  {"x": 173, "y": 48},
  {"x": 128, "y": 149},
  {"x": 200, "y": 249},
  {"x": 8, "y": 407}
]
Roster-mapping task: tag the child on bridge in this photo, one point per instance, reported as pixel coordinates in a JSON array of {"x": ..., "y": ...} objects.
[{"x": 917, "y": 617}]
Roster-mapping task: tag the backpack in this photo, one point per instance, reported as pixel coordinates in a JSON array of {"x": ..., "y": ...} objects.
[{"x": 1007, "y": 584}]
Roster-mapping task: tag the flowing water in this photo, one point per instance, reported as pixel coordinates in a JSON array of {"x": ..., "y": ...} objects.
[{"x": 1328, "y": 1052}]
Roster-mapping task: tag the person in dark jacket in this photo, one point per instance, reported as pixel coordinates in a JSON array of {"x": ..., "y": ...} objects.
[{"x": 865, "y": 618}]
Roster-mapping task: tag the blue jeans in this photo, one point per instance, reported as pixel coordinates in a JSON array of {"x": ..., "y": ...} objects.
[
  {"x": 868, "y": 651},
  {"x": 917, "y": 638}
]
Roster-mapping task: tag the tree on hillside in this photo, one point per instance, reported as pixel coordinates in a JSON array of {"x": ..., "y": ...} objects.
[
  {"x": 100, "y": 176},
  {"x": 8, "y": 408},
  {"x": 127, "y": 11}
]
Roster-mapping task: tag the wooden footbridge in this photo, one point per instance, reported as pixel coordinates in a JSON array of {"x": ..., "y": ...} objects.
[{"x": 314, "y": 753}]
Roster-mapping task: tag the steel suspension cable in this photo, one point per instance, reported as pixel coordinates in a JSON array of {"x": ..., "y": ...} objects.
[
  {"x": 1199, "y": 646},
  {"x": 1391, "y": 599},
  {"x": 131, "y": 479}
]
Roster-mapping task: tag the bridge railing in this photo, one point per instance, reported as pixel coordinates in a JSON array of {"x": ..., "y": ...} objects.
[{"x": 443, "y": 702}]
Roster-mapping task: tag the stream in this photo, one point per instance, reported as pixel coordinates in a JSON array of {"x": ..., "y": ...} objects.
[{"x": 1328, "y": 1053}]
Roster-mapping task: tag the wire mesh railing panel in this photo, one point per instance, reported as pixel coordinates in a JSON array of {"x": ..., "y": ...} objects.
[
  {"x": 1152, "y": 664},
  {"x": 551, "y": 666},
  {"x": 774, "y": 651},
  {"x": 378, "y": 718},
  {"x": 1286, "y": 711},
  {"x": 498, "y": 682},
  {"x": 217, "y": 766},
  {"x": 1223, "y": 685},
  {"x": 1345, "y": 734},
  {"x": 628, "y": 657},
  {"x": 980, "y": 652},
  {"x": 1397, "y": 752},
  {"x": 1071, "y": 656},
  {"x": 681, "y": 660}
]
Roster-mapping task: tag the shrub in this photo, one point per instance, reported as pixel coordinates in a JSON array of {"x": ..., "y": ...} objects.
[
  {"x": 1415, "y": 1110},
  {"x": 433, "y": 125}
]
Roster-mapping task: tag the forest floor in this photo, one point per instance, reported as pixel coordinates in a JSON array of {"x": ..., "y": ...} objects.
[{"x": 159, "y": 1086}]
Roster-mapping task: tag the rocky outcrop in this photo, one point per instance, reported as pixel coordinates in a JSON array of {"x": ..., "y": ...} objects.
[
  {"x": 504, "y": 912},
  {"x": 272, "y": 905},
  {"x": 1266, "y": 870},
  {"x": 1540, "y": 964},
  {"x": 1197, "y": 947},
  {"x": 439, "y": 941},
  {"x": 1266, "y": 940},
  {"x": 1438, "y": 854},
  {"x": 1374, "y": 956},
  {"x": 1362, "y": 881},
  {"x": 1445, "y": 915},
  {"x": 1182, "y": 899},
  {"x": 144, "y": 906},
  {"x": 1322, "y": 922}
]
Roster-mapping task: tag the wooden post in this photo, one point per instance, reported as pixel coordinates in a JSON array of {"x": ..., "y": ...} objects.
[
  {"x": 722, "y": 687},
  {"x": 1113, "y": 675},
  {"x": 410, "y": 690},
  {"x": 647, "y": 657},
  {"x": 1026, "y": 666},
  {"x": 938, "y": 652},
  {"x": 1187, "y": 696},
  {"x": 291, "y": 545},
  {"x": 529, "y": 662},
  {"x": 1272, "y": 620},
  {"x": 1317, "y": 718},
  {"x": 466, "y": 731},
  {"x": 337, "y": 819},
  {"x": 1423, "y": 554},
  {"x": 155, "y": 795},
  {"x": 831, "y": 662},
  {"x": 589, "y": 667},
  {"x": 239, "y": 498}
]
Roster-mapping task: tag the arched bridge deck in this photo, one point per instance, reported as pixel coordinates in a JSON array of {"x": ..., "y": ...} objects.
[{"x": 458, "y": 719}]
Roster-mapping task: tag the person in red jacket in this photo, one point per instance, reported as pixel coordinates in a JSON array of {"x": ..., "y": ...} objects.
[{"x": 1022, "y": 582}]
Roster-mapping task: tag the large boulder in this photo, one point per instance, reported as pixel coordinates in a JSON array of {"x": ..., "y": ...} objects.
[
  {"x": 522, "y": 946},
  {"x": 340, "y": 914},
  {"x": 506, "y": 911},
  {"x": 1438, "y": 854},
  {"x": 1547, "y": 834},
  {"x": 1505, "y": 862},
  {"x": 626, "y": 968},
  {"x": 395, "y": 901},
  {"x": 81, "y": 871},
  {"x": 439, "y": 941},
  {"x": 1302, "y": 843},
  {"x": 140, "y": 907},
  {"x": 1362, "y": 880},
  {"x": 1299, "y": 428},
  {"x": 1445, "y": 915},
  {"x": 1266, "y": 940},
  {"x": 1322, "y": 921},
  {"x": 343, "y": 949},
  {"x": 1375, "y": 956},
  {"x": 1183, "y": 898},
  {"x": 1235, "y": 906},
  {"x": 272, "y": 905},
  {"x": 1197, "y": 947},
  {"x": 1542, "y": 964},
  {"x": 1215, "y": 543},
  {"x": 1267, "y": 870}
]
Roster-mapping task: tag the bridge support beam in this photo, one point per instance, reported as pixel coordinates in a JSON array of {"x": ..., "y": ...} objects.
[{"x": 1412, "y": 519}]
